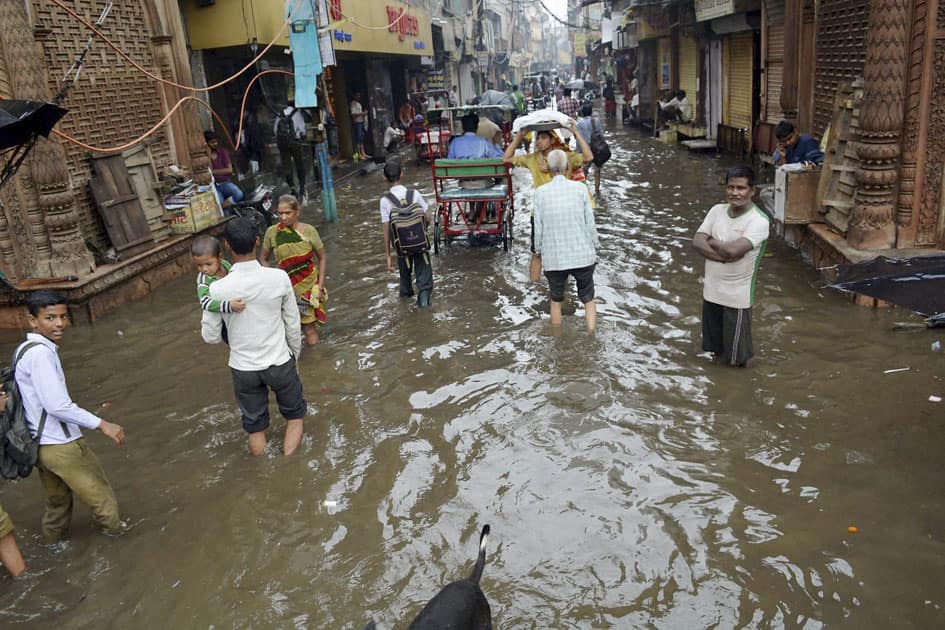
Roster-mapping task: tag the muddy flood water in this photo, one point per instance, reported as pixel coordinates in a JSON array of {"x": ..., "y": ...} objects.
[{"x": 629, "y": 481}]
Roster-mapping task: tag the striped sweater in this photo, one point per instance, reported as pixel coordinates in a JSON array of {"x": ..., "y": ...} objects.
[{"x": 207, "y": 303}]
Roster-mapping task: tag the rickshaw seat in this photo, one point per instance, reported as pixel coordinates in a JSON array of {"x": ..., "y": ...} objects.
[
  {"x": 499, "y": 191},
  {"x": 472, "y": 170}
]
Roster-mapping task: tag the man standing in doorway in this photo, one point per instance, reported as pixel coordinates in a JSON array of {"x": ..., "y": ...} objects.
[
  {"x": 289, "y": 128},
  {"x": 732, "y": 240},
  {"x": 356, "y": 110},
  {"x": 265, "y": 339}
]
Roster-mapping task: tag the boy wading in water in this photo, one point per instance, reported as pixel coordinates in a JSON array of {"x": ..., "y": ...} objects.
[
  {"x": 418, "y": 261},
  {"x": 67, "y": 466},
  {"x": 265, "y": 339}
]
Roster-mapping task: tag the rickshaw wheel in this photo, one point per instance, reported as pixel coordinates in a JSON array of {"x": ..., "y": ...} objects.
[{"x": 437, "y": 234}]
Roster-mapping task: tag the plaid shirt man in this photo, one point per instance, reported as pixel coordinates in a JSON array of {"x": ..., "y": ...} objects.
[
  {"x": 565, "y": 233},
  {"x": 569, "y": 106}
]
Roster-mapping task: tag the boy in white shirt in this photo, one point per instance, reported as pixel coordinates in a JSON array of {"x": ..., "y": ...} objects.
[{"x": 66, "y": 463}]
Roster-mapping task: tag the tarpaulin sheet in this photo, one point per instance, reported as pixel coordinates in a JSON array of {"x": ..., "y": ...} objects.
[
  {"x": 914, "y": 283},
  {"x": 303, "y": 39},
  {"x": 19, "y": 120}
]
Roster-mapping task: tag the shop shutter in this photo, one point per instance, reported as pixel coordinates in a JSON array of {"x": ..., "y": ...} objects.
[
  {"x": 738, "y": 72},
  {"x": 774, "y": 71},
  {"x": 689, "y": 69}
]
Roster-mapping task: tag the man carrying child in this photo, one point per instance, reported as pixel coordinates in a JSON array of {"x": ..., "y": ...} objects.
[{"x": 265, "y": 339}]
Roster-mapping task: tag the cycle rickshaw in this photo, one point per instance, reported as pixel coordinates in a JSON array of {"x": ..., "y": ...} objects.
[{"x": 474, "y": 197}]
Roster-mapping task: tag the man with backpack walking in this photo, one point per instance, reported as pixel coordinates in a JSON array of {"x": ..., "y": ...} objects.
[
  {"x": 289, "y": 129},
  {"x": 67, "y": 465},
  {"x": 405, "y": 215}
]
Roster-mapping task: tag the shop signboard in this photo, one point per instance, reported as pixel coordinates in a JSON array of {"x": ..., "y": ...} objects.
[
  {"x": 666, "y": 63},
  {"x": 711, "y": 9},
  {"x": 580, "y": 44},
  {"x": 380, "y": 26}
]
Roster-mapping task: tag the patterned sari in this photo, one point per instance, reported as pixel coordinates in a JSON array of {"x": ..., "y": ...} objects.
[{"x": 296, "y": 253}]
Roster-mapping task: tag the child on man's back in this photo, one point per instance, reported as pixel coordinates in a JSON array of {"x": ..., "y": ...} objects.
[{"x": 211, "y": 266}]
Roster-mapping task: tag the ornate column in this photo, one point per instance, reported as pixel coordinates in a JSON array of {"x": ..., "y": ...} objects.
[
  {"x": 915, "y": 133},
  {"x": 793, "y": 12},
  {"x": 55, "y": 239},
  {"x": 872, "y": 224}
]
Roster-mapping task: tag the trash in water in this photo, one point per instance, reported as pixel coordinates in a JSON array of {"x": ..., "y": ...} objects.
[
  {"x": 905, "y": 369},
  {"x": 936, "y": 346},
  {"x": 329, "y": 503},
  {"x": 106, "y": 405},
  {"x": 852, "y": 529},
  {"x": 121, "y": 334},
  {"x": 934, "y": 398}
]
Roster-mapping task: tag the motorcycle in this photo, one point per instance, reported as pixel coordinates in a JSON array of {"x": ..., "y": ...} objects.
[{"x": 258, "y": 207}]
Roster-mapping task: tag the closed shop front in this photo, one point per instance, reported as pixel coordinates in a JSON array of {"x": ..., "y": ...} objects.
[
  {"x": 774, "y": 61},
  {"x": 689, "y": 69},
  {"x": 738, "y": 68}
]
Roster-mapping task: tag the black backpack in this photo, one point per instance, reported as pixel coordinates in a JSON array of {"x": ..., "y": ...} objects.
[
  {"x": 285, "y": 130},
  {"x": 18, "y": 448},
  {"x": 599, "y": 146},
  {"x": 408, "y": 225}
]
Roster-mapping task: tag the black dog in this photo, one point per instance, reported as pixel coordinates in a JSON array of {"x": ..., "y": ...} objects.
[{"x": 461, "y": 605}]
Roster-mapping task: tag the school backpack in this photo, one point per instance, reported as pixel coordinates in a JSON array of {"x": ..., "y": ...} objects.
[
  {"x": 599, "y": 147},
  {"x": 18, "y": 448},
  {"x": 285, "y": 130},
  {"x": 408, "y": 225}
]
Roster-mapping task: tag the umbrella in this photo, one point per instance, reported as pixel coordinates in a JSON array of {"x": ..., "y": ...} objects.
[
  {"x": 580, "y": 84},
  {"x": 20, "y": 120},
  {"x": 495, "y": 97},
  {"x": 914, "y": 283}
]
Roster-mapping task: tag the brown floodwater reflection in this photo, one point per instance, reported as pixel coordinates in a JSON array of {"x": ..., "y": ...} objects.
[{"x": 629, "y": 482}]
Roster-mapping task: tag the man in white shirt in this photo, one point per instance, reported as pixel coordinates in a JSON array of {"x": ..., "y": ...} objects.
[
  {"x": 67, "y": 466},
  {"x": 732, "y": 240},
  {"x": 265, "y": 339},
  {"x": 356, "y": 109}
]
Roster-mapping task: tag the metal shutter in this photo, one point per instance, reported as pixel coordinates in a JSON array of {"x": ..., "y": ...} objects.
[
  {"x": 774, "y": 70},
  {"x": 738, "y": 72},
  {"x": 689, "y": 69}
]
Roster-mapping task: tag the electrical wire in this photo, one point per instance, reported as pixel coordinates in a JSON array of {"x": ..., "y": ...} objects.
[
  {"x": 149, "y": 74},
  {"x": 157, "y": 126}
]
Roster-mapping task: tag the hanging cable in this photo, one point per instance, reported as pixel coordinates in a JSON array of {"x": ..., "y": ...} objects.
[{"x": 153, "y": 76}]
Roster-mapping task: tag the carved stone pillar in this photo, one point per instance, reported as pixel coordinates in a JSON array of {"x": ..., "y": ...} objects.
[
  {"x": 872, "y": 225},
  {"x": 44, "y": 190},
  {"x": 793, "y": 12}
]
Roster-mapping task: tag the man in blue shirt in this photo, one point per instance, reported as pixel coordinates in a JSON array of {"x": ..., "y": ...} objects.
[
  {"x": 794, "y": 148},
  {"x": 469, "y": 146}
]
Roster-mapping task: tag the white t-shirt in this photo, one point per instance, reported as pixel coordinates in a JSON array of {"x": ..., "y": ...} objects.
[
  {"x": 733, "y": 284},
  {"x": 357, "y": 112},
  {"x": 400, "y": 192}
]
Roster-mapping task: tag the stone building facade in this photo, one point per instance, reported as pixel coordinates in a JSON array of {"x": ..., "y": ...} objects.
[{"x": 48, "y": 211}]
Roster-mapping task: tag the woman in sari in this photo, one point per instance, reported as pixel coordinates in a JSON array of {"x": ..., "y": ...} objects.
[{"x": 299, "y": 252}]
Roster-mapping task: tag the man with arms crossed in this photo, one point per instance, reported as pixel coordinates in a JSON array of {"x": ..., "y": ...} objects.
[
  {"x": 265, "y": 339},
  {"x": 732, "y": 240}
]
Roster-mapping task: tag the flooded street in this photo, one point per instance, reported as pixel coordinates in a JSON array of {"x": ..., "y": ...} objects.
[{"x": 629, "y": 482}]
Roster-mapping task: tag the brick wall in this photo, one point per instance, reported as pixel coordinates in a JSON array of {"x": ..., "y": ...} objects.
[{"x": 112, "y": 102}]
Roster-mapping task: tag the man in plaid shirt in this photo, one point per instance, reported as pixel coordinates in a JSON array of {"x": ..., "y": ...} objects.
[
  {"x": 568, "y": 105},
  {"x": 566, "y": 238}
]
